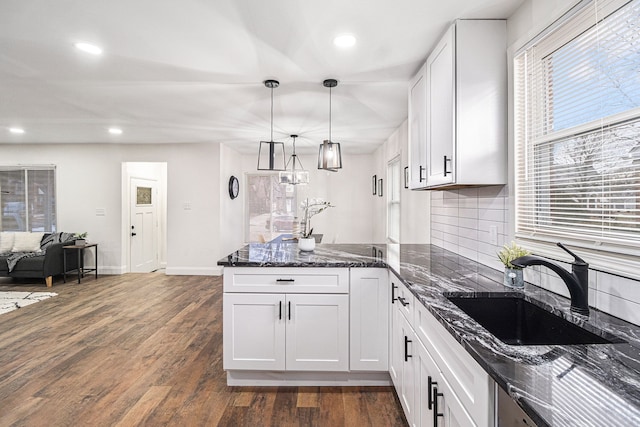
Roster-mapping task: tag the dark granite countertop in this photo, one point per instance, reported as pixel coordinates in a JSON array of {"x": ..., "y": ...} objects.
[{"x": 559, "y": 385}]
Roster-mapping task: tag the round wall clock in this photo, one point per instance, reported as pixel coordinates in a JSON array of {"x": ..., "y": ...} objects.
[{"x": 234, "y": 187}]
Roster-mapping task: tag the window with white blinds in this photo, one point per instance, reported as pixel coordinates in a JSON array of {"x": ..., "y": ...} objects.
[
  {"x": 28, "y": 198},
  {"x": 577, "y": 130}
]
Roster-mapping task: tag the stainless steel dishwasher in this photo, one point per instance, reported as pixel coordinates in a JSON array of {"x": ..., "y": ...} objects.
[{"x": 509, "y": 413}]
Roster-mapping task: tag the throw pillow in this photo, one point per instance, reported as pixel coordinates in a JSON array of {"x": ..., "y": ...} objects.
[
  {"x": 25, "y": 241},
  {"x": 6, "y": 241}
]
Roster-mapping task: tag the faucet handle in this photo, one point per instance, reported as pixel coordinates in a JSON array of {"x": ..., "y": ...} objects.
[{"x": 577, "y": 259}]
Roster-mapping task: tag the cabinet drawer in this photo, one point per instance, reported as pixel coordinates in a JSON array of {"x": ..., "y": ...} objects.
[
  {"x": 291, "y": 280},
  {"x": 470, "y": 383}
]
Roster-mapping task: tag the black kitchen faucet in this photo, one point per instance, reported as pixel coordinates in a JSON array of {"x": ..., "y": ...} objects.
[{"x": 577, "y": 281}]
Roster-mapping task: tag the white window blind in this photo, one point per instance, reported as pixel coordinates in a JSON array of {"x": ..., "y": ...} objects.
[{"x": 577, "y": 130}]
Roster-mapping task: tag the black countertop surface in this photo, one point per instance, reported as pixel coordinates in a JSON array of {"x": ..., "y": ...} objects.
[{"x": 559, "y": 385}]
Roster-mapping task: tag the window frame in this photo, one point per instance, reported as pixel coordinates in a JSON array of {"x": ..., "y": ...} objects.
[
  {"x": 28, "y": 202},
  {"x": 617, "y": 257}
]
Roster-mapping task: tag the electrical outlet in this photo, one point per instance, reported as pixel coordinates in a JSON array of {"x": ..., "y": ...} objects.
[{"x": 493, "y": 235}]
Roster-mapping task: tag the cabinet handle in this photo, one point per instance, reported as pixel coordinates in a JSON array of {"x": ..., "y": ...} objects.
[
  {"x": 436, "y": 414},
  {"x": 445, "y": 166},
  {"x": 406, "y": 348},
  {"x": 289, "y": 310},
  {"x": 279, "y": 310},
  {"x": 430, "y": 384},
  {"x": 406, "y": 177},
  {"x": 403, "y": 301},
  {"x": 285, "y": 280},
  {"x": 421, "y": 169},
  {"x": 393, "y": 293}
]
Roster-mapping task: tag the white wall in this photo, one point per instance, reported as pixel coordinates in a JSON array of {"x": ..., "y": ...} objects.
[
  {"x": 349, "y": 190},
  {"x": 415, "y": 206},
  {"x": 89, "y": 176},
  {"x": 231, "y": 211}
]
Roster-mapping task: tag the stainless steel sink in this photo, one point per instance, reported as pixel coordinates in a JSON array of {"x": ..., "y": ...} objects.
[{"x": 515, "y": 320}]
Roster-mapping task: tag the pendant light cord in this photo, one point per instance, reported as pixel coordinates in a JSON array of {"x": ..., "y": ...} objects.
[
  {"x": 329, "y": 113},
  {"x": 272, "y": 114}
]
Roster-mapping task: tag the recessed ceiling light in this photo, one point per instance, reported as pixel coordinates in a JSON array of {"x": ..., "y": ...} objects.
[
  {"x": 17, "y": 131},
  {"x": 345, "y": 40},
  {"x": 89, "y": 48},
  {"x": 115, "y": 131}
]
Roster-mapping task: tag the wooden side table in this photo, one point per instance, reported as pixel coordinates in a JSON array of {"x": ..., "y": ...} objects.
[{"x": 80, "y": 253}]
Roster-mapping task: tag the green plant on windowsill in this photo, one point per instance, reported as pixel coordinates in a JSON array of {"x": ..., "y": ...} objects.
[
  {"x": 513, "y": 277},
  {"x": 510, "y": 252}
]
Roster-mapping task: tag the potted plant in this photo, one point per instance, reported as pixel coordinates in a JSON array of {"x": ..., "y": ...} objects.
[
  {"x": 311, "y": 207},
  {"x": 81, "y": 239},
  {"x": 512, "y": 274}
]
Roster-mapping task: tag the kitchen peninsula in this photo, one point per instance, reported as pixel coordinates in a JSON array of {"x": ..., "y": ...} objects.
[{"x": 555, "y": 385}]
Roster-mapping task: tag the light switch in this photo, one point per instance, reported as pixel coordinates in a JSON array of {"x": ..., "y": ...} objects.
[
  {"x": 101, "y": 212},
  {"x": 493, "y": 235},
  {"x": 186, "y": 206}
]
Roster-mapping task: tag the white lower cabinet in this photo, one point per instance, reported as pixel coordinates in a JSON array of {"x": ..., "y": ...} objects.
[
  {"x": 437, "y": 382},
  {"x": 435, "y": 402},
  {"x": 295, "y": 332},
  {"x": 369, "y": 326}
]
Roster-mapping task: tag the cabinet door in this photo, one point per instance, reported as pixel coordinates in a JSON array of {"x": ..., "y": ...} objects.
[
  {"x": 317, "y": 332},
  {"x": 441, "y": 111},
  {"x": 254, "y": 331},
  {"x": 450, "y": 410},
  {"x": 369, "y": 326},
  {"x": 396, "y": 349},
  {"x": 418, "y": 130},
  {"x": 407, "y": 344},
  {"x": 427, "y": 377}
]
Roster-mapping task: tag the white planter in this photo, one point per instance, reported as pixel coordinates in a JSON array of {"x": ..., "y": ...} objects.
[
  {"x": 307, "y": 245},
  {"x": 80, "y": 242}
]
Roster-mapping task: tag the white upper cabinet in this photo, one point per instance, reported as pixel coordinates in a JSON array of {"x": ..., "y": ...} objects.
[
  {"x": 441, "y": 106},
  {"x": 465, "y": 109},
  {"x": 418, "y": 130}
]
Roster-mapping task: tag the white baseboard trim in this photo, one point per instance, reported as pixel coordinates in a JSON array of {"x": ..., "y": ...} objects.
[
  {"x": 110, "y": 269},
  {"x": 285, "y": 378},
  {"x": 194, "y": 271}
]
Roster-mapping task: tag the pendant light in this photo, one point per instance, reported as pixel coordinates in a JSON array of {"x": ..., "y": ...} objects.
[
  {"x": 271, "y": 154},
  {"x": 293, "y": 175},
  {"x": 330, "y": 155}
]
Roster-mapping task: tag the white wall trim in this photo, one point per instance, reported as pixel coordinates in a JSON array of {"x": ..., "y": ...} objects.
[
  {"x": 283, "y": 378},
  {"x": 194, "y": 271},
  {"x": 107, "y": 269}
]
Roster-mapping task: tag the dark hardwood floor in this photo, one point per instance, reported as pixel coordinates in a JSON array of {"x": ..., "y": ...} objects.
[{"x": 146, "y": 349}]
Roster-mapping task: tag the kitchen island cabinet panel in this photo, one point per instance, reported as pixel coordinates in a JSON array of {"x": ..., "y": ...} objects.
[{"x": 369, "y": 326}]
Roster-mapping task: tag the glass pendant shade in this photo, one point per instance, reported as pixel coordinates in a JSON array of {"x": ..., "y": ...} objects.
[
  {"x": 330, "y": 156},
  {"x": 271, "y": 155},
  {"x": 294, "y": 173}
]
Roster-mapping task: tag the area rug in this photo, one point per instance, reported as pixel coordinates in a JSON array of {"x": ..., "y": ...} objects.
[{"x": 11, "y": 300}]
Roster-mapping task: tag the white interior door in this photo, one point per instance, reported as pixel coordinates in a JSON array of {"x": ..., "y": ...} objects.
[{"x": 144, "y": 225}]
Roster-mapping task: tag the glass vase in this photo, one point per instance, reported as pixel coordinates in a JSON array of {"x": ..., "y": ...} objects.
[{"x": 513, "y": 278}]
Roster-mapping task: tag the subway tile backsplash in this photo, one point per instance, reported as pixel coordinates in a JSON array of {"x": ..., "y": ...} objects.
[{"x": 461, "y": 221}]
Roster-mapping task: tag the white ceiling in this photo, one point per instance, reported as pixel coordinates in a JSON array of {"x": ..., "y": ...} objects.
[{"x": 192, "y": 70}]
